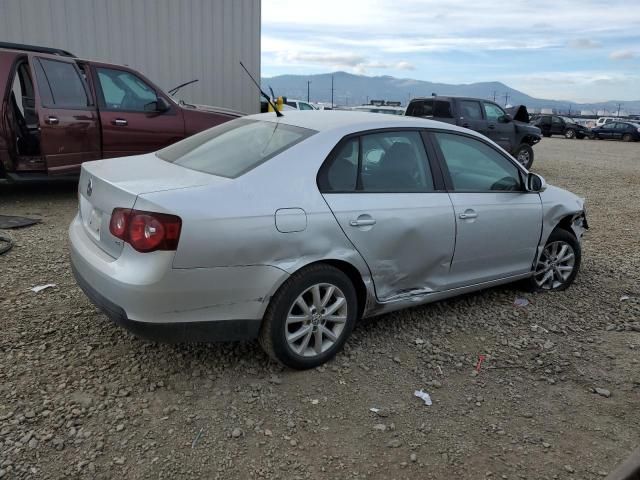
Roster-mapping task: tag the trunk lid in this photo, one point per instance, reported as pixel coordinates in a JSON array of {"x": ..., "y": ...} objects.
[{"x": 108, "y": 184}]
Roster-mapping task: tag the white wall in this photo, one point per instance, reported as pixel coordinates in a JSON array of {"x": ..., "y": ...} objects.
[{"x": 169, "y": 41}]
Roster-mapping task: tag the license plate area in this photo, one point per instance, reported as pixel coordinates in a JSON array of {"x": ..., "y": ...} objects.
[{"x": 93, "y": 222}]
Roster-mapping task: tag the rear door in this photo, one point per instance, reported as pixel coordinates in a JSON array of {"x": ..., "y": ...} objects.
[
  {"x": 394, "y": 210},
  {"x": 67, "y": 118},
  {"x": 499, "y": 129},
  {"x": 128, "y": 128},
  {"x": 498, "y": 222},
  {"x": 557, "y": 126},
  {"x": 470, "y": 116}
]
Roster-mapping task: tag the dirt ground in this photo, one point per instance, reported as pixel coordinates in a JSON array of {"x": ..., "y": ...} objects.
[{"x": 81, "y": 398}]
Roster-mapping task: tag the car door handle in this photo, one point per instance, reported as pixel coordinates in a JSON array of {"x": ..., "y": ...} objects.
[
  {"x": 50, "y": 120},
  {"x": 468, "y": 214},
  {"x": 120, "y": 122},
  {"x": 492, "y": 126},
  {"x": 465, "y": 125},
  {"x": 364, "y": 222}
]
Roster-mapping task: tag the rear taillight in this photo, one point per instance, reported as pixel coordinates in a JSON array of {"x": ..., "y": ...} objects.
[
  {"x": 146, "y": 231},
  {"x": 638, "y": 130}
]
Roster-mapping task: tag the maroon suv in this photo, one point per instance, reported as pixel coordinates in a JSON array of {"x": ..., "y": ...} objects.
[{"x": 58, "y": 111}]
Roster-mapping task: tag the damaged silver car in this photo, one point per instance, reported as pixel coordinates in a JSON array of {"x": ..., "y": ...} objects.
[{"x": 291, "y": 229}]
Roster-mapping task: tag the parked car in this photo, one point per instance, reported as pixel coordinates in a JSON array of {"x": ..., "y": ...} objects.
[
  {"x": 299, "y": 104},
  {"x": 208, "y": 240},
  {"x": 380, "y": 109},
  {"x": 604, "y": 120},
  {"x": 514, "y": 134},
  {"x": 626, "y": 131},
  {"x": 559, "y": 125},
  {"x": 59, "y": 111}
]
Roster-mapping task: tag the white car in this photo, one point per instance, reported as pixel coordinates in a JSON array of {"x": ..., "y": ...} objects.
[{"x": 299, "y": 104}]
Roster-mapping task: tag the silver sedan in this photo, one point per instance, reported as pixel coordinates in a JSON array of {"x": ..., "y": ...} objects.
[{"x": 291, "y": 229}]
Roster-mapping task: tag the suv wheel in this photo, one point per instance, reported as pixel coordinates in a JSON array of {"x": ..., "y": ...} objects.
[
  {"x": 524, "y": 155},
  {"x": 310, "y": 317},
  {"x": 570, "y": 133}
]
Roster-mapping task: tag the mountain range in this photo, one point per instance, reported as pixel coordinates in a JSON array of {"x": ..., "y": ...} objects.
[{"x": 350, "y": 89}]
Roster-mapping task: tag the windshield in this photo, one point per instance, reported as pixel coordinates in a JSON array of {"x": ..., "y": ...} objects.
[
  {"x": 235, "y": 147},
  {"x": 568, "y": 120}
]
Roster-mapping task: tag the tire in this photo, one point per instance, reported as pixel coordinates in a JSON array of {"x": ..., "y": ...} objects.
[
  {"x": 524, "y": 155},
  {"x": 559, "y": 281},
  {"x": 626, "y": 138},
  {"x": 285, "y": 304},
  {"x": 570, "y": 134}
]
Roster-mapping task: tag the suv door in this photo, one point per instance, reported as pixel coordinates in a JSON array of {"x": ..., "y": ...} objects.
[
  {"x": 392, "y": 207},
  {"x": 128, "y": 127},
  {"x": 498, "y": 222},
  {"x": 544, "y": 124},
  {"x": 557, "y": 126},
  {"x": 499, "y": 129},
  {"x": 67, "y": 117}
]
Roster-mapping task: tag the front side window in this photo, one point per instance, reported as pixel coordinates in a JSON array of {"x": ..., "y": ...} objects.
[
  {"x": 305, "y": 106},
  {"x": 233, "y": 148},
  {"x": 557, "y": 121},
  {"x": 476, "y": 167},
  {"x": 123, "y": 90},
  {"x": 493, "y": 112},
  {"x": 379, "y": 163},
  {"x": 471, "y": 110},
  {"x": 60, "y": 84}
]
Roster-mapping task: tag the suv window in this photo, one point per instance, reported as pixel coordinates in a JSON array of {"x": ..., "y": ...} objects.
[
  {"x": 470, "y": 110},
  {"x": 556, "y": 120},
  {"x": 233, "y": 148},
  {"x": 123, "y": 90},
  {"x": 60, "y": 84},
  {"x": 493, "y": 112},
  {"x": 380, "y": 162},
  {"x": 476, "y": 167}
]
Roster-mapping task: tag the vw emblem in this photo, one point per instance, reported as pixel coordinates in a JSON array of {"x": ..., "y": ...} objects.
[{"x": 89, "y": 188}]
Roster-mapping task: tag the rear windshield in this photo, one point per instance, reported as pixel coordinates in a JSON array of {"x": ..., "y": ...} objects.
[{"x": 235, "y": 147}]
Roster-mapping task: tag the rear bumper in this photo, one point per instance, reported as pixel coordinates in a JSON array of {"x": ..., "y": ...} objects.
[{"x": 143, "y": 293}]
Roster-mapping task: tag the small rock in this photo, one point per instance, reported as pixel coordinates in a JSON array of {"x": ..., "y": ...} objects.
[
  {"x": 603, "y": 392},
  {"x": 276, "y": 380},
  {"x": 268, "y": 433},
  {"x": 120, "y": 427},
  {"x": 569, "y": 468},
  {"x": 33, "y": 443},
  {"x": 397, "y": 359},
  {"x": 236, "y": 433},
  {"x": 119, "y": 460},
  {"x": 380, "y": 426},
  {"x": 419, "y": 341},
  {"x": 30, "y": 414},
  {"x": 293, "y": 442},
  {"x": 527, "y": 415},
  {"x": 546, "y": 445},
  {"x": 413, "y": 457},
  {"x": 395, "y": 443},
  {"x": 436, "y": 383},
  {"x": 548, "y": 345},
  {"x": 2, "y": 473}
]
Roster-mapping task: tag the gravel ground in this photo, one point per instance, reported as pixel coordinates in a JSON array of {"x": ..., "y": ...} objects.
[{"x": 79, "y": 397}]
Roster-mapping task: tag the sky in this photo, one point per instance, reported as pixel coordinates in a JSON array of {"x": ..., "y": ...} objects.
[{"x": 583, "y": 51}]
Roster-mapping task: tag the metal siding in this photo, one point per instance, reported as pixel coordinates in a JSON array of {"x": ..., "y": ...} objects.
[{"x": 170, "y": 41}]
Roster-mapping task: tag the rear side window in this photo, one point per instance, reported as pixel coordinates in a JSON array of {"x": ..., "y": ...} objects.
[
  {"x": 235, "y": 147},
  {"x": 378, "y": 163},
  {"x": 60, "y": 84},
  {"x": 429, "y": 108}
]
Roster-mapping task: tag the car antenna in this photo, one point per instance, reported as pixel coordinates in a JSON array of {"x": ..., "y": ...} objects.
[{"x": 266, "y": 97}]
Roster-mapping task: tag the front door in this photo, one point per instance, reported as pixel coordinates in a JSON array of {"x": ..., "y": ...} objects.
[
  {"x": 557, "y": 126},
  {"x": 67, "y": 117},
  {"x": 128, "y": 127},
  {"x": 380, "y": 187},
  {"x": 499, "y": 129},
  {"x": 498, "y": 223}
]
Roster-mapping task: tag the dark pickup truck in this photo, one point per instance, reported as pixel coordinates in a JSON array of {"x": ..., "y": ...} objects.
[
  {"x": 514, "y": 134},
  {"x": 58, "y": 111}
]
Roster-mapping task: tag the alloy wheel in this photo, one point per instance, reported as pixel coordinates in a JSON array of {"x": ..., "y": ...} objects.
[
  {"x": 523, "y": 157},
  {"x": 570, "y": 134},
  {"x": 316, "y": 320},
  {"x": 555, "y": 265}
]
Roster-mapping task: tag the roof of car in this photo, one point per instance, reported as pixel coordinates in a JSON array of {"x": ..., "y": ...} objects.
[{"x": 351, "y": 121}]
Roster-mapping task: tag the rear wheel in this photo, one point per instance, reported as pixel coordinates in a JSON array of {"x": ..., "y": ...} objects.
[
  {"x": 626, "y": 137},
  {"x": 524, "y": 155},
  {"x": 310, "y": 317},
  {"x": 558, "y": 264},
  {"x": 570, "y": 133}
]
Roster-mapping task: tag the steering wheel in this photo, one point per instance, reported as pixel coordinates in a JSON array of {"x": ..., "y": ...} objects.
[{"x": 506, "y": 184}]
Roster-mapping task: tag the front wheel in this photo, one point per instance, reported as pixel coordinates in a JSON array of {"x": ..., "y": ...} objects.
[
  {"x": 558, "y": 264},
  {"x": 570, "y": 133},
  {"x": 310, "y": 317},
  {"x": 524, "y": 155},
  {"x": 626, "y": 137}
]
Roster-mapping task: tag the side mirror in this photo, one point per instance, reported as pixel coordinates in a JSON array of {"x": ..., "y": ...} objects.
[
  {"x": 159, "y": 106},
  {"x": 535, "y": 183},
  {"x": 505, "y": 118}
]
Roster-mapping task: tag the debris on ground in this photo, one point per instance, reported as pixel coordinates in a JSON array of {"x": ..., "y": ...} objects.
[
  {"x": 40, "y": 288},
  {"x": 520, "y": 302},
  {"x": 424, "y": 396}
]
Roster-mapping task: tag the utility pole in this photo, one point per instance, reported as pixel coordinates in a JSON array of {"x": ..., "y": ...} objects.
[
  {"x": 618, "y": 115},
  {"x": 331, "y": 91},
  {"x": 506, "y": 98},
  {"x": 494, "y": 95},
  {"x": 308, "y": 83}
]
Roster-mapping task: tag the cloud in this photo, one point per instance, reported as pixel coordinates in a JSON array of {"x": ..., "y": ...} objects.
[
  {"x": 583, "y": 43},
  {"x": 622, "y": 55}
]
